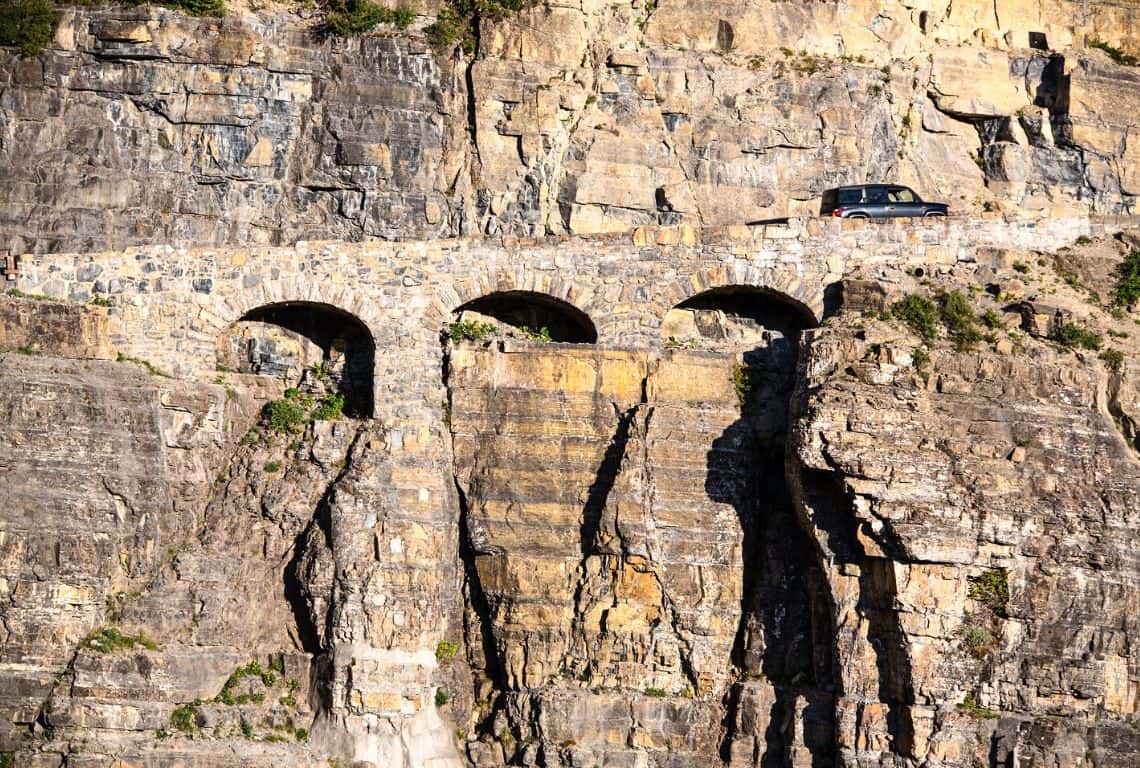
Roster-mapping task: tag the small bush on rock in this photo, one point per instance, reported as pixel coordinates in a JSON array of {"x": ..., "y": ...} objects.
[
  {"x": 287, "y": 415},
  {"x": 27, "y": 25},
  {"x": 110, "y": 639},
  {"x": 1127, "y": 292},
  {"x": 1113, "y": 358},
  {"x": 970, "y": 705},
  {"x": 470, "y": 330},
  {"x": 1072, "y": 335},
  {"x": 919, "y": 313},
  {"x": 991, "y": 589},
  {"x": 331, "y": 408},
  {"x": 960, "y": 320},
  {"x": 355, "y": 17}
]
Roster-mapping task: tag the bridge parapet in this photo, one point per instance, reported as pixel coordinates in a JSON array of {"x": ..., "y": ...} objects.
[{"x": 170, "y": 305}]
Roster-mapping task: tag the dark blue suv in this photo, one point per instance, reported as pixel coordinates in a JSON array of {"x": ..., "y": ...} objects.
[{"x": 877, "y": 201}]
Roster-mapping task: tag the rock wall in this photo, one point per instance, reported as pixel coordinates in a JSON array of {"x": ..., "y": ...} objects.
[
  {"x": 143, "y": 126},
  {"x": 146, "y": 126},
  {"x": 754, "y": 544}
]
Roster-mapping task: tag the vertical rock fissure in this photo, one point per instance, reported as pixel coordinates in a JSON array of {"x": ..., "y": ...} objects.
[{"x": 779, "y": 653}]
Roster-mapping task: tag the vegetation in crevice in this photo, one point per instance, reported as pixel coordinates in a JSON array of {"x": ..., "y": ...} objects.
[
  {"x": 742, "y": 383},
  {"x": 1074, "y": 336},
  {"x": 919, "y": 314},
  {"x": 458, "y": 21},
  {"x": 991, "y": 589},
  {"x": 290, "y": 414},
  {"x": 356, "y": 17},
  {"x": 27, "y": 25},
  {"x": 971, "y": 706},
  {"x": 1127, "y": 291},
  {"x": 1117, "y": 55},
  {"x": 470, "y": 330},
  {"x": 184, "y": 717},
  {"x": 1113, "y": 359},
  {"x": 110, "y": 639}
]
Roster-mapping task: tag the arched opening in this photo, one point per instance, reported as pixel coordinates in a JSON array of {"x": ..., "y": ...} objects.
[
  {"x": 735, "y": 316},
  {"x": 530, "y": 313},
  {"x": 317, "y": 348}
]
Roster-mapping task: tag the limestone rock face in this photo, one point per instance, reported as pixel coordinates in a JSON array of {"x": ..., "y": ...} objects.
[
  {"x": 240, "y": 129},
  {"x": 940, "y": 482},
  {"x": 143, "y": 126},
  {"x": 764, "y": 541}
]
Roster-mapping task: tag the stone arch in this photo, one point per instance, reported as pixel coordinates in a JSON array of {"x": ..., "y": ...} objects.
[
  {"x": 308, "y": 344},
  {"x": 740, "y": 313},
  {"x": 534, "y": 310},
  {"x": 448, "y": 298},
  {"x": 804, "y": 292}
]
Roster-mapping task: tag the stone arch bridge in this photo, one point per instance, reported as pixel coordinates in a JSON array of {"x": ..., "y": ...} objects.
[{"x": 170, "y": 305}]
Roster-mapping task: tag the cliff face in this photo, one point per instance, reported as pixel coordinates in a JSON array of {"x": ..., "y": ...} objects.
[
  {"x": 765, "y": 543},
  {"x": 141, "y": 126},
  {"x": 398, "y": 510}
]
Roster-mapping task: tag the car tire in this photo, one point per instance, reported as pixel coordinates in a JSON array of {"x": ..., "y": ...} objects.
[
  {"x": 934, "y": 214},
  {"x": 856, "y": 216}
]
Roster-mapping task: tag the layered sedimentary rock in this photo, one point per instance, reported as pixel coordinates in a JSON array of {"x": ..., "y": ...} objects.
[
  {"x": 756, "y": 542},
  {"x": 144, "y": 126}
]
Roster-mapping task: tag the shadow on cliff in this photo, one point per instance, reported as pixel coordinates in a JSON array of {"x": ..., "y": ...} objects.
[{"x": 786, "y": 635}]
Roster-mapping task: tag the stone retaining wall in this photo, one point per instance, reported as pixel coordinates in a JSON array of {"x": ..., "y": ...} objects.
[{"x": 169, "y": 305}]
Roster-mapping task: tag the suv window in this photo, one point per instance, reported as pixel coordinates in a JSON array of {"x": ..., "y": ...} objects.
[
  {"x": 900, "y": 195},
  {"x": 850, "y": 196},
  {"x": 876, "y": 195}
]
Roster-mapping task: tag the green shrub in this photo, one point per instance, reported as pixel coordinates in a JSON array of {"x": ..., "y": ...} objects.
[
  {"x": 1114, "y": 359},
  {"x": 470, "y": 330},
  {"x": 27, "y": 25},
  {"x": 1020, "y": 266},
  {"x": 458, "y": 20},
  {"x": 287, "y": 415},
  {"x": 183, "y": 718},
  {"x": 970, "y": 705},
  {"x": 991, "y": 589},
  {"x": 355, "y": 17},
  {"x": 742, "y": 383},
  {"x": 1127, "y": 291},
  {"x": 441, "y": 697},
  {"x": 452, "y": 27},
  {"x": 958, "y": 316},
  {"x": 272, "y": 466},
  {"x": 301, "y": 734},
  {"x": 110, "y": 639},
  {"x": 977, "y": 639},
  {"x": 197, "y": 7},
  {"x": 656, "y": 693},
  {"x": 542, "y": 334},
  {"x": 150, "y": 369},
  {"x": 1117, "y": 55},
  {"x": 253, "y": 669},
  {"x": 403, "y": 18},
  {"x": 331, "y": 408},
  {"x": 919, "y": 313},
  {"x": 991, "y": 319},
  {"x": 920, "y": 359},
  {"x": 446, "y": 651},
  {"x": 1072, "y": 335}
]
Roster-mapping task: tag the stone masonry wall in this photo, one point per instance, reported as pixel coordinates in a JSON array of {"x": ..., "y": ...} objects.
[{"x": 170, "y": 305}]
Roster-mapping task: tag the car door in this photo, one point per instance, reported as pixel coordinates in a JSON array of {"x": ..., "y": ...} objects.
[
  {"x": 875, "y": 202},
  {"x": 902, "y": 201}
]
